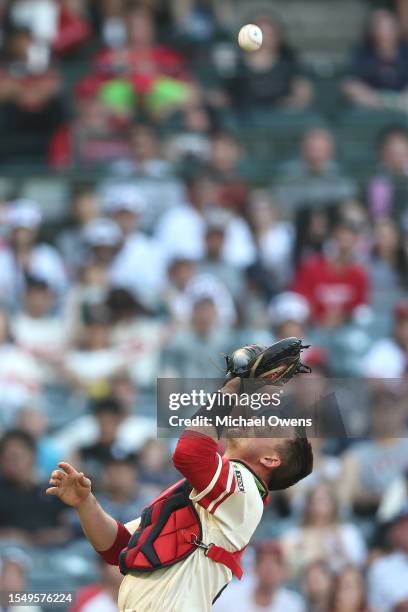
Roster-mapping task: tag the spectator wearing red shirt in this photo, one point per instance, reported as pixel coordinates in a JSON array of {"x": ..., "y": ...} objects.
[
  {"x": 95, "y": 137},
  {"x": 157, "y": 72},
  {"x": 333, "y": 283}
]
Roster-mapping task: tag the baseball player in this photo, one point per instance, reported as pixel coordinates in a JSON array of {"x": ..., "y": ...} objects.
[{"x": 183, "y": 550}]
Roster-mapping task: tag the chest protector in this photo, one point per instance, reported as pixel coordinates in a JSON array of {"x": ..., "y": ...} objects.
[{"x": 170, "y": 530}]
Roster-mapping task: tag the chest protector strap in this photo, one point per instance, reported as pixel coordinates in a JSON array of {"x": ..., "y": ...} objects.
[{"x": 170, "y": 530}]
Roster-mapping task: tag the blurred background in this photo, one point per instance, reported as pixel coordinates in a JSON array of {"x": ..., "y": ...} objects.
[{"x": 165, "y": 198}]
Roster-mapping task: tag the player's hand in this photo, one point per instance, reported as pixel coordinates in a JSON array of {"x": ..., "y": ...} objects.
[
  {"x": 70, "y": 486},
  {"x": 232, "y": 386}
]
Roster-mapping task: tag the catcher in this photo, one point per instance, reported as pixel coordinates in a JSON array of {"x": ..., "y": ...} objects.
[{"x": 186, "y": 546}]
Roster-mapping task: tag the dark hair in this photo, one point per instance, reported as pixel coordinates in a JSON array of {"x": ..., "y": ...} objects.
[
  {"x": 20, "y": 436},
  {"x": 297, "y": 463},
  {"x": 108, "y": 405},
  {"x": 122, "y": 304},
  {"x": 34, "y": 282}
]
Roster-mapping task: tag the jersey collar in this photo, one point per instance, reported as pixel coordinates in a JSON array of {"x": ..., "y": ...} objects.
[{"x": 261, "y": 486}]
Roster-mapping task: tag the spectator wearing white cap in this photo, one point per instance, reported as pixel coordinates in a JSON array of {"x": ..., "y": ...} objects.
[
  {"x": 186, "y": 285},
  {"x": 22, "y": 254},
  {"x": 289, "y": 313},
  {"x": 103, "y": 238},
  {"x": 139, "y": 265}
]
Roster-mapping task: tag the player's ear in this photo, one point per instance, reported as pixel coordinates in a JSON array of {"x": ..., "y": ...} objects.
[{"x": 270, "y": 461}]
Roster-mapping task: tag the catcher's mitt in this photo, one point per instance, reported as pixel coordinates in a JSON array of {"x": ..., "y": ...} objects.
[{"x": 276, "y": 363}]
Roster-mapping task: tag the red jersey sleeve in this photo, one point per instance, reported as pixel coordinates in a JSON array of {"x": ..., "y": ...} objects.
[{"x": 211, "y": 476}]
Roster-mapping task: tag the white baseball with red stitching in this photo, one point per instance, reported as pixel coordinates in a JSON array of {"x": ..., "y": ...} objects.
[{"x": 250, "y": 37}]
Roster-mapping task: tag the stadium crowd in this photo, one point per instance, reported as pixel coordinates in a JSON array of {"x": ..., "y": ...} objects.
[{"x": 178, "y": 240}]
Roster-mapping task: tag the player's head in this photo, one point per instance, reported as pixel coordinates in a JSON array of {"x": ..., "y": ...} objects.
[{"x": 280, "y": 462}]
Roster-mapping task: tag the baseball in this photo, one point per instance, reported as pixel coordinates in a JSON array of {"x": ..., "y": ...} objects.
[{"x": 250, "y": 37}]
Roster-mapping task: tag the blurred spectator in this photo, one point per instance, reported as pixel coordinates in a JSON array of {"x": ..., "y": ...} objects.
[
  {"x": 144, "y": 158},
  {"x": 387, "y": 191},
  {"x": 15, "y": 566},
  {"x": 139, "y": 265},
  {"x": 30, "y": 95},
  {"x": 266, "y": 589},
  {"x": 131, "y": 430},
  {"x": 322, "y": 535},
  {"x": 387, "y": 357},
  {"x": 130, "y": 259},
  {"x": 33, "y": 421},
  {"x": 96, "y": 136},
  {"x": 189, "y": 354},
  {"x": 103, "y": 239},
  {"x": 26, "y": 514},
  {"x": 21, "y": 376},
  {"x": 289, "y": 313},
  {"x": 38, "y": 330},
  {"x": 146, "y": 168},
  {"x": 187, "y": 286},
  {"x": 314, "y": 178},
  {"x": 388, "y": 575},
  {"x": 60, "y": 25},
  {"x": 326, "y": 468},
  {"x": 23, "y": 255},
  {"x": 213, "y": 262},
  {"x": 189, "y": 221},
  {"x": 226, "y": 155},
  {"x": 90, "y": 290},
  {"x": 273, "y": 235},
  {"x": 109, "y": 414},
  {"x": 401, "y": 8},
  {"x": 181, "y": 271},
  {"x": 154, "y": 465},
  {"x": 317, "y": 586},
  {"x": 84, "y": 208},
  {"x": 378, "y": 75},
  {"x": 198, "y": 21},
  {"x": 138, "y": 335},
  {"x": 393, "y": 499},
  {"x": 334, "y": 283},
  {"x": 349, "y": 591},
  {"x": 122, "y": 495},
  {"x": 94, "y": 360},
  {"x": 388, "y": 266},
  {"x": 311, "y": 229},
  {"x": 102, "y": 596},
  {"x": 271, "y": 77},
  {"x": 156, "y": 72},
  {"x": 370, "y": 466},
  {"x": 190, "y": 145}
]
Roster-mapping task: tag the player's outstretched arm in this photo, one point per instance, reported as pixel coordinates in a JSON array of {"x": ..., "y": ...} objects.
[{"x": 74, "y": 489}]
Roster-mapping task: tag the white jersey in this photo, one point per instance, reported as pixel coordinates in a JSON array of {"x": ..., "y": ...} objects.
[{"x": 230, "y": 508}]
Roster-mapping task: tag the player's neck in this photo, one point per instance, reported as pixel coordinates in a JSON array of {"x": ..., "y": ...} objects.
[{"x": 257, "y": 469}]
